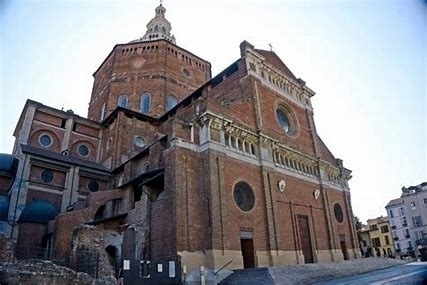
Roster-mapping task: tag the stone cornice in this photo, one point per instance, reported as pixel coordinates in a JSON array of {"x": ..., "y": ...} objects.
[
  {"x": 296, "y": 91},
  {"x": 300, "y": 85},
  {"x": 332, "y": 174},
  {"x": 253, "y": 160}
]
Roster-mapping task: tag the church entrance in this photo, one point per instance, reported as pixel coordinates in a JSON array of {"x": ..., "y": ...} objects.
[
  {"x": 247, "y": 246},
  {"x": 305, "y": 239}
]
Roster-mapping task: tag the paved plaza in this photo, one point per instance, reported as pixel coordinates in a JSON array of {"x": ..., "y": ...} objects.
[{"x": 312, "y": 273}]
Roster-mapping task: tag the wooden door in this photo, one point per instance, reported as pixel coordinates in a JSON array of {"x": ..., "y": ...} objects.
[
  {"x": 248, "y": 253},
  {"x": 305, "y": 239}
]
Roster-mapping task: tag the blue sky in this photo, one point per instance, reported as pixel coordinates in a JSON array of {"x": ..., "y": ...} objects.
[{"x": 366, "y": 61}]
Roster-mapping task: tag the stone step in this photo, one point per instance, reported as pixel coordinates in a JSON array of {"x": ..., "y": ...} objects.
[
  {"x": 308, "y": 273},
  {"x": 253, "y": 276}
]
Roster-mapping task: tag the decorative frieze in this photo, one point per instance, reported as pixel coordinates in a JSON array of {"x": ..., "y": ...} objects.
[
  {"x": 239, "y": 139},
  {"x": 296, "y": 90}
]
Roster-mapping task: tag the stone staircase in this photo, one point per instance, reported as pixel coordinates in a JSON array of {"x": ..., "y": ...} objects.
[
  {"x": 307, "y": 273},
  {"x": 253, "y": 276}
]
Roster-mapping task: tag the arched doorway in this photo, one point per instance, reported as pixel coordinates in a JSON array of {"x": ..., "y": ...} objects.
[{"x": 113, "y": 257}]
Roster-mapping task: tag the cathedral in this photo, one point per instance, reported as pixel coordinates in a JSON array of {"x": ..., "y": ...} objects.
[{"x": 172, "y": 164}]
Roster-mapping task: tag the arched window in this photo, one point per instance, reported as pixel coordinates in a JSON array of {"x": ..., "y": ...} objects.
[
  {"x": 145, "y": 102},
  {"x": 171, "y": 102},
  {"x": 122, "y": 101}
]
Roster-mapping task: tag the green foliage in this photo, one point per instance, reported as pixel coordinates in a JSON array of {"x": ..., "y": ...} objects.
[
  {"x": 357, "y": 223},
  {"x": 358, "y": 226}
]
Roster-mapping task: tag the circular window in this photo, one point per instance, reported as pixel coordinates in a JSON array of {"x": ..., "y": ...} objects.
[
  {"x": 83, "y": 150},
  {"x": 338, "y": 213},
  {"x": 284, "y": 121},
  {"x": 93, "y": 185},
  {"x": 244, "y": 196},
  {"x": 139, "y": 141},
  {"x": 186, "y": 72},
  {"x": 45, "y": 140},
  {"x": 47, "y": 176}
]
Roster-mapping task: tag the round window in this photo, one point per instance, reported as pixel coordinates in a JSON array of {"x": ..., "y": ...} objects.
[
  {"x": 139, "y": 141},
  {"x": 47, "y": 176},
  {"x": 93, "y": 185},
  {"x": 45, "y": 140},
  {"x": 244, "y": 196},
  {"x": 83, "y": 150},
  {"x": 338, "y": 213},
  {"x": 284, "y": 121},
  {"x": 186, "y": 72}
]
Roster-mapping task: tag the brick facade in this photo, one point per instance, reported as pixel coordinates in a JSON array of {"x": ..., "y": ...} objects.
[{"x": 167, "y": 181}]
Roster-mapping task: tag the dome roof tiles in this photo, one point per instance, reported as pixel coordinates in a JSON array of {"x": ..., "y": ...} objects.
[{"x": 38, "y": 211}]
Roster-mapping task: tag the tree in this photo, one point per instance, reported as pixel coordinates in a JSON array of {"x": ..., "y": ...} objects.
[
  {"x": 357, "y": 223},
  {"x": 358, "y": 226}
]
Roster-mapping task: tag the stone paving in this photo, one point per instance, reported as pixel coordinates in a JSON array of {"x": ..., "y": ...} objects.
[
  {"x": 313, "y": 273},
  {"x": 309, "y": 273}
]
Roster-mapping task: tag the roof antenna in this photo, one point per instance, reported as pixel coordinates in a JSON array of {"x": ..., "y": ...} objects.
[{"x": 271, "y": 47}]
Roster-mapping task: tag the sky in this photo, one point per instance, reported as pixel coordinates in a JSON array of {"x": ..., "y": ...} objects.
[{"x": 366, "y": 61}]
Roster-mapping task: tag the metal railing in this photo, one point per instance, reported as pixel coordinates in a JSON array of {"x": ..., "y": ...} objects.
[{"x": 222, "y": 267}]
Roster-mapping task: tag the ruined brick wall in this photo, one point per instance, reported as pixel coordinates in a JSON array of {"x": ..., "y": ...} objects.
[
  {"x": 89, "y": 252},
  {"x": 66, "y": 222},
  {"x": 31, "y": 234},
  {"x": 6, "y": 249},
  {"x": 30, "y": 272}
]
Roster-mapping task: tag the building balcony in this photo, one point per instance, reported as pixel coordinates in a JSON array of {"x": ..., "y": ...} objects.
[
  {"x": 396, "y": 238},
  {"x": 393, "y": 227},
  {"x": 405, "y": 224},
  {"x": 407, "y": 236}
]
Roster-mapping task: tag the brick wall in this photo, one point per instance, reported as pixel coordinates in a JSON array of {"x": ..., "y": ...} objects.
[
  {"x": 66, "y": 222},
  {"x": 67, "y": 132},
  {"x": 31, "y": 234},
  {"x": 6, "y": 249},
  {"x": 158, "y": 67}
]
